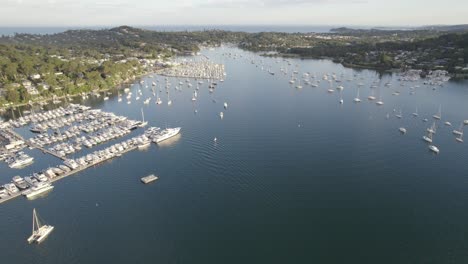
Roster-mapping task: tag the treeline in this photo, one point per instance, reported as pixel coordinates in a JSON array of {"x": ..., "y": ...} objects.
[{"x": 47, "y": 70}]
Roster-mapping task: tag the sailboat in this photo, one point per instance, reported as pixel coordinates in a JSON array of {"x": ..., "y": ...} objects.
[
  {"x": 341, "y": 98},
  {"x": 459, "y": 132},
  {"x": 459, "y": 138},
  {"x": 399, "y": 115},
  {"x": 39, "y": 230},
  {"x": 158, "y": 99},
  {"x": 143, "y": 123},
  {"x": 371, "y": 97},
  {"x": 169, "y": 101},
  {"x": 415, "y": 114},
  {"x": 194, "y": 97},
  {"x": 428, "y": 138},
  {"x": 438, "y": 116},
  {"x": 432, "y": 129},
  {"x": 357, "y": 99}
]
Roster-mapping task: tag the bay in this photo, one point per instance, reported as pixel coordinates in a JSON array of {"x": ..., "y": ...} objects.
[{"x": 293, "y": 177}]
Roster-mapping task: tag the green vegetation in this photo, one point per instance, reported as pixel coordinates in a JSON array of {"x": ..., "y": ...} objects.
[{"x": 36, "y": 67}]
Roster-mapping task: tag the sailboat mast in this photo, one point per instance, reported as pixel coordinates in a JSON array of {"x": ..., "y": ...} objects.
[
  {"x": 34, "y": 219},
  {"x": 142, "y": 115}
]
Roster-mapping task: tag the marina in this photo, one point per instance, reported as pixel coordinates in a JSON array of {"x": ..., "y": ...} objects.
[{"x": 108, "y": 126}]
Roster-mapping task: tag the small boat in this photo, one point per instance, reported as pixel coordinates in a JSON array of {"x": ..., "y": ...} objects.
[
  {"x": 434, "y": 149},
  {"x": 225, "y": 105},
  {"x": 402, "y": 130},
  {"x": 39, "y": 230},
  {"x": 221, "y": 114},
  {"x": 448, "y": 123},
  {"x": 106, "y": 98}
]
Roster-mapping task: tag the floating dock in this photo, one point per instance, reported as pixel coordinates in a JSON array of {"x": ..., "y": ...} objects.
[{"x": 150, "y": 178}]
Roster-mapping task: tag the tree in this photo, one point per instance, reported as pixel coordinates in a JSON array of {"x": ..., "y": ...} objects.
[{"x": 12, "y": 95}]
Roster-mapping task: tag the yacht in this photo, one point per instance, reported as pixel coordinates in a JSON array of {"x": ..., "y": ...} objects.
[
  {"x": 415, "y": 114},
  {"x": 40, "y": 231},
  {"x": 357, "y": 99},
  {"x": 460, "y": 138},
  {"x": 402, "y": 130},
  {"x": 221, "y": 114},
  {"x": 38, "y": 189},
  {"x": 20, "y": 183},
  {"x": 225, "y": 105},
  {"x": 465, "y": 122},
  {"x": 166, "y": 134},
  {"x": 11, "y": 188}
]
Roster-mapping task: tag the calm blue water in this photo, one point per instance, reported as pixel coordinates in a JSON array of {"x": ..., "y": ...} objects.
[
  {"x": 245, "y": 28},
  {"x": 293, "y": 178}
]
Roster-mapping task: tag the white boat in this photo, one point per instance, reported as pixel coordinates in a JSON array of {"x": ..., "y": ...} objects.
[
  {"x": 39, "y": 230},
  {"x": 432, "y": 129},
  {"x": 399, "y": 115},
  {"x": 225, "y": 105},
  {"x": 143, "y": 123},
  {"x": 21, "y": 162},
  {"x": 38, "y": 189},
  {"x": 428, "y": 138},
  {"x": 434, "y": 149},
  {"x": 379, "y": 103},
  {"x": 402, "y": 130},
  {"x": 106, "y": 98},
  {"x": 371, "y": 97},
  {"x": 340, "y": 88},
  {"x": 166, "y": 134},
  {"x": 458, "y": 132},
  {"x": 357, "y": 99},
  {"x": 221, "y": 114},
  {"x": 438, "y": 116},
  {"x": 465, "y": 122},
  {"x": 415, "y": 114}
]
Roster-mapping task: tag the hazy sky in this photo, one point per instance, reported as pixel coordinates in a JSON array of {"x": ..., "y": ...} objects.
[{"x": 231, "y": 12}]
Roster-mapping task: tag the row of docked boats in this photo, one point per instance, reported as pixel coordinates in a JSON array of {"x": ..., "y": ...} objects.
[{"x": 30, "y": 187}]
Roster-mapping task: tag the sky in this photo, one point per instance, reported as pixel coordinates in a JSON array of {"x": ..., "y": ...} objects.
[{"x": 60, "y": 13}]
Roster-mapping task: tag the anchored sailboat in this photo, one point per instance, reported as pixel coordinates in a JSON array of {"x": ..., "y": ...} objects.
[{"x": 39, "y": 231}]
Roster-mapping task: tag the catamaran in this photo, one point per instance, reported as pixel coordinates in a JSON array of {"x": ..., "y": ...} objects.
[{"x": 39, "y": 230}]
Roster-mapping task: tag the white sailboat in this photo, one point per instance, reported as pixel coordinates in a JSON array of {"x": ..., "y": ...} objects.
[
  {"x": 158, "y": 99},
  {"x": 432, "y": 129},
  {"x": 143, "y": 123},
  {"x": 459, "y": 132},
  {"x": 415, "y": 114},
  {"x": 357, "y": 99},
  {"x": 438, "y": 116},
  {"x": 371, "y": 97},
  {"x": 39, "y": 230},
  {"x": 169, "y": 101}
]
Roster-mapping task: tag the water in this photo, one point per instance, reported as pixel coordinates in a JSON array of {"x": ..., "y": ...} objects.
[
  {"x": 293, "y": 178},
  {"x": 9, "y": 31}
]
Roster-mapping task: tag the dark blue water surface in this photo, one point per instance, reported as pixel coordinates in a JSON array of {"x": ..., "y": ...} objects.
[{"x": 294, "y": 177}]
